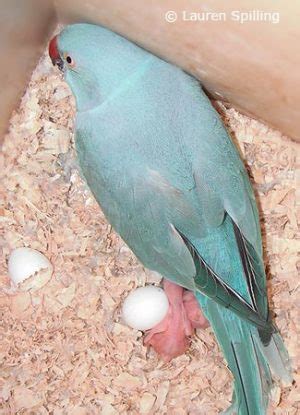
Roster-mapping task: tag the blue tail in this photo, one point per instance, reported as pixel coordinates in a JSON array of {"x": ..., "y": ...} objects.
[{"x": 248, "y": 359}]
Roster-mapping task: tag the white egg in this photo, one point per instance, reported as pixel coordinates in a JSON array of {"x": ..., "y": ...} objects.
[
  {"x": 145, "y": 307},
  {"x": 25, "y": 262}
]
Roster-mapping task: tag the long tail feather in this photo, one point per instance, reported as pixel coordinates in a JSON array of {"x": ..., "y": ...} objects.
[{"x": 248, "y": 359}]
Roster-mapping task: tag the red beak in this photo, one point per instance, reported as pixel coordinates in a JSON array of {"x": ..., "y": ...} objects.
[{"x": 54, "y": 53}]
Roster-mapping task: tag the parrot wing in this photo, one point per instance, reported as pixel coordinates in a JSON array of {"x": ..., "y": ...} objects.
[
  {"x": 160, "y": 223},
  {"x": 227, "y": 179},
  {"x": 185, "y": 222}
]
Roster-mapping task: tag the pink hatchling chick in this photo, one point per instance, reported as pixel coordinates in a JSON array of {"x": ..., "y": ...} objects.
[{"x": 171, "y": 337}]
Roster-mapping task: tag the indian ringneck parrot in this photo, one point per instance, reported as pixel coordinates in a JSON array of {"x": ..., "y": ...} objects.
[{"x": 168, "y": 178}]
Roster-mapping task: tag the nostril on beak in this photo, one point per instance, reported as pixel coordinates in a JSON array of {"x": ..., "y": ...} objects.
[{"x": 58, "y": 62}]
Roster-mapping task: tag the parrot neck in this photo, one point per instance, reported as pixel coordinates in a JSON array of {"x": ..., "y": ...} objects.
[{"x": 92, "y": 88}]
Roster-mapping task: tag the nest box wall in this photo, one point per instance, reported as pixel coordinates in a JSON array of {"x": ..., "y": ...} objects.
[{"x": 25, "y": 26}]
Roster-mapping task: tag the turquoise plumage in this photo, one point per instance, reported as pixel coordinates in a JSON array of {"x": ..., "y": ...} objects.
[{"x": 168, "y": 178}]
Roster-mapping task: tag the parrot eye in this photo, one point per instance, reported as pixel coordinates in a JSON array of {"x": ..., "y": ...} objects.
[{"x": 69, "y": 59}]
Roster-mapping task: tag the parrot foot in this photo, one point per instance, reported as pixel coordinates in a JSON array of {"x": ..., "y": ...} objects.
[{"x": 171, "y": 337}]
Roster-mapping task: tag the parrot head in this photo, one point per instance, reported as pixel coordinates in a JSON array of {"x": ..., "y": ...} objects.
[{"x": 95, "y": 62}]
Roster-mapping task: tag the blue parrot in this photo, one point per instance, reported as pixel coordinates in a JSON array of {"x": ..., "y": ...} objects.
[{"x": 162, "y": 166}]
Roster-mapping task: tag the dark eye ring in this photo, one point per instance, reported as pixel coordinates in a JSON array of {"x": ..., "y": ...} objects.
[{"x": 69, "y": 59}]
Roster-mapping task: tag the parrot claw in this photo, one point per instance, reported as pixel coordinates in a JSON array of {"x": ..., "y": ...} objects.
[{"x": 171, "y": 337}]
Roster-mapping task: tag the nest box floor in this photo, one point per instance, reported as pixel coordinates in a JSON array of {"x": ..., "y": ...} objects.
[{"x": 64, "y": 349}]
